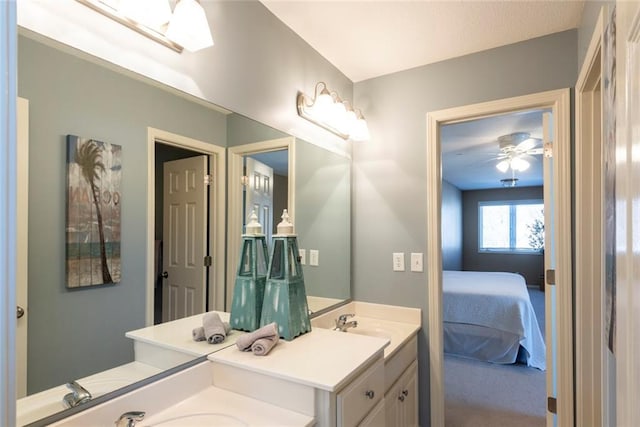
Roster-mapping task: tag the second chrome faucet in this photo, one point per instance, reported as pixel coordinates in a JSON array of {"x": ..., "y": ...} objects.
[{"x": 343, "y": 325}]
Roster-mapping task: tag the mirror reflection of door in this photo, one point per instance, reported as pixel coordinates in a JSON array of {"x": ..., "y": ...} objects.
[
  {"x": 266, "y": 188},
  {"x": 181, "y": 233},
  {"x": 258, "y": 194}
]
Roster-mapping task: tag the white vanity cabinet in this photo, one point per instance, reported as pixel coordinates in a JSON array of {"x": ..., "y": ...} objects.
[{"x": 338, "y": 379}]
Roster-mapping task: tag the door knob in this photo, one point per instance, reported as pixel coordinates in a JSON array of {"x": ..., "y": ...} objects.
[
  {"x": 165, "y": 275},
  {"x": 20, "y": 312}
]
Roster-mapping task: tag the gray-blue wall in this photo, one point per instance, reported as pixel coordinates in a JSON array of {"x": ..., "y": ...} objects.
[
  {"x": 76, "y": 333},
  {"x": 530, "y": 266},
  {"x": 390, "y": 190},
  {"x": 451, "y": 227}
]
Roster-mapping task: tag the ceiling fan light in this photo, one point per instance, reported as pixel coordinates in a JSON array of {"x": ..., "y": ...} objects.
[
  {"x": 189, "y": 27},
  {"x": 519, "y": 164},
  {"x": 503, "y": 166}
]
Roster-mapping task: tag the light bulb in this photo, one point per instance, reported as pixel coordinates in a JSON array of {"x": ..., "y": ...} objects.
[
  {"x": 360, "y": 130},
  {"x": 519, "y": 164},
  {"x": 323, "y": 105},
  {"x": 189, "y": 27},
  {"x": 503, "y": 166},
  {"x": 151, "y": 13}
]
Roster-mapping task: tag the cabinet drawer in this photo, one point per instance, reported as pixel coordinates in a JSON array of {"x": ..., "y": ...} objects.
[
  {"x": 400, "y": 361},
  {"x": 356, "y": 400}
]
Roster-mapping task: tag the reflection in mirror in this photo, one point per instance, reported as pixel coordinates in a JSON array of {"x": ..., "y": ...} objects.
[
  {"x": 319, "y": 200},
  {"x": 77, "y": 334}
]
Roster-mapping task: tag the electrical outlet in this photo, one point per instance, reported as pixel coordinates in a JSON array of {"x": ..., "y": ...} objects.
[
  {"x": 416, "y": 261},
  {"x": 303, "y": 256},
  {"x": 314, "y": 257},
  {"x": 398, "y": 261}
]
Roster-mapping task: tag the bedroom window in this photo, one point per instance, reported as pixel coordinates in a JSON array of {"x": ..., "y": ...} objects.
[{"x": 514, "y": 226}]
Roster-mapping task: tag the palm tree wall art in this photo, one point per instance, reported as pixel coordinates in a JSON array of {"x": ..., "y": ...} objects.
[{"x": 94, "y": 174}]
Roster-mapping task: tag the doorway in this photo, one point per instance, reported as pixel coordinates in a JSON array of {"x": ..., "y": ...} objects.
[
  {"x": 560, "y": 367},
  {"x": 167, "y": 146}
]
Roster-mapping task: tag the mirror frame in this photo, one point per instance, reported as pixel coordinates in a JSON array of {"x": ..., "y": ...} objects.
[{"x": 234, "y": 201}]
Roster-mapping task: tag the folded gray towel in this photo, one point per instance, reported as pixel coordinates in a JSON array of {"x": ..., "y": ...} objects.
[
  {"x": 198, "y": 334},
  {"x": 244, "y": 342},
  {"x": 215, "y": 330},
  {"x": 262, "y": 346}
]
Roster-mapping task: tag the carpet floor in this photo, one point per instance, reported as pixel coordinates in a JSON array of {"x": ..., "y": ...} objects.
[{"x": 481, "y": 394}]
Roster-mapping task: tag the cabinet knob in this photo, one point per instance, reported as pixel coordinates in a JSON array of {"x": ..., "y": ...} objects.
[
  {"x": 405, "y": 392},
  {"x": 401, "y": 398},
  {"x": 370, "y": 394}
]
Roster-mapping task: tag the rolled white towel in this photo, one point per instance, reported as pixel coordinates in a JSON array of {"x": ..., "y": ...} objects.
[
  {"x": 198, "y": 334},
  {"x": 262, "y": 346},
  {"x": 215, "y": 331},
  {"x": 244, "y": 342}
]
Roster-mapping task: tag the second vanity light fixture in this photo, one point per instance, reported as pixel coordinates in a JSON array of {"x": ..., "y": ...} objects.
[
  {"x": 186, "y": 27},
  {"x": 328, "y": 110}
]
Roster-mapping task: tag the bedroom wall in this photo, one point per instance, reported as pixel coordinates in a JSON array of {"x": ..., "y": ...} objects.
[
  {"x": 451, "y": 227},
  {"x": 530, "y": 266}
]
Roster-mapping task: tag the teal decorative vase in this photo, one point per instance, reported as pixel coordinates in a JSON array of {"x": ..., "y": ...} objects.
[
  {"x": 285, "y": 298},
  {"x": 248, "y": 292}
]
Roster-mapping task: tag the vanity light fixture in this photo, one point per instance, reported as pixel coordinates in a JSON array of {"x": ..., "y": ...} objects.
[
  {"x": 186, "y": 27},
  {"x": 327, "y": 110}
]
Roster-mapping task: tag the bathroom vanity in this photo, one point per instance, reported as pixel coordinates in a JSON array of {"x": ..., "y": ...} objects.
[{"x": 365, "y": 376}]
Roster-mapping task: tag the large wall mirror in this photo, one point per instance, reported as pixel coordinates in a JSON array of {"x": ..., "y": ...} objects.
[{"x": 74, "y": 333}]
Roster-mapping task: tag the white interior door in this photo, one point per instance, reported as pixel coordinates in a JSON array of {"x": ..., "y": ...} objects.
[
  {"x": 22, "y": 240},
  {"x": 259, "y": 194},
  {"x": 184, "y": 238},
  {"x": 551, "y": 302}
]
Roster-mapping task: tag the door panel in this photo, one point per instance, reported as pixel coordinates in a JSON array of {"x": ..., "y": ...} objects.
[
  {"x": 259, "y": 194},
  {"x": 184, "y": 232}
]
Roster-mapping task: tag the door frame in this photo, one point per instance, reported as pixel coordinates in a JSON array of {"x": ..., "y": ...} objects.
[
  {"x": 589, "y": 238},
  {"x": 217, "y": 164},
  {"x": 559, "y": 102},
  {"x": 234, "y": 209},
  {"x": 22, "y": 244}
]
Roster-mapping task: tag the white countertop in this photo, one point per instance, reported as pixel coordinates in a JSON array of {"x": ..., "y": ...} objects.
[
  {"x": 176, "y": 335},
  {"x": 321, "y": 358}
]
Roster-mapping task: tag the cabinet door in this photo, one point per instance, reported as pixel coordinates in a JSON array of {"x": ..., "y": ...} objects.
[
  {"x": 376, "y": 417},
  {"x": 392, "y": 406},
  {"x": 408, "y": 397}
]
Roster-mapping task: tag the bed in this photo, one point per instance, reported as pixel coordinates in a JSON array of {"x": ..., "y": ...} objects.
[{"x": 488, "y": 316}]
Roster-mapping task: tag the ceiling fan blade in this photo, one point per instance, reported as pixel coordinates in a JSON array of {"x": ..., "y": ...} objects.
[
  {"x": 535, "y": 151},
  {"x": 527, "y": 145}
]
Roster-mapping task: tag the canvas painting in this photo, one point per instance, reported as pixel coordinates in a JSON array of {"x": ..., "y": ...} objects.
[{"x": 94, "y": 175}]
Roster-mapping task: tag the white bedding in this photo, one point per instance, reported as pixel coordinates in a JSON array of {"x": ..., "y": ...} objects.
[{"x": 498, "y": 301}]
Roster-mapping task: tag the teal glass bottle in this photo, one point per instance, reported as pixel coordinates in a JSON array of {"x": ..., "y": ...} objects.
[
  {"x": 285, "y": 298},
  {"x": 248, "y": 292}
]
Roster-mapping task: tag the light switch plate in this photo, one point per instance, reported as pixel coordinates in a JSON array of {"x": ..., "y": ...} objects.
[
  {"x": 303, "y": 256},
  {"x": 314, "y": 257},
  {"x": 416, "y": 261},
  {"x": 398, "y": 261}
]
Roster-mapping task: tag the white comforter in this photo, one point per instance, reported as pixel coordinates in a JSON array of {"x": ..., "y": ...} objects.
[{"x": 494, "y": 300}]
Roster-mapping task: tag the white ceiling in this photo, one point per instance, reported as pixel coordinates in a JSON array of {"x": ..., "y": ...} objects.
[{"x": 367, "y": 39}]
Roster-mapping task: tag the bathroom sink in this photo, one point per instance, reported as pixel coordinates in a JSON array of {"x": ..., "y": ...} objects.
[
  {"x": 200, "y": 419},
  {"x": 372, "y": 332}
]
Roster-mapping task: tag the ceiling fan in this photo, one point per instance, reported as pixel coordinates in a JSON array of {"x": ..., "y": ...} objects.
[{"x": 514, "y": 148}]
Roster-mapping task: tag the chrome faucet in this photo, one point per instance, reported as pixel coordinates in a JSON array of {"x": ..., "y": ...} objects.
[
  {"x": 342, "y": 325},
  {"x": 77, "y": 396},
  {"x": 129, "y": 419}
]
